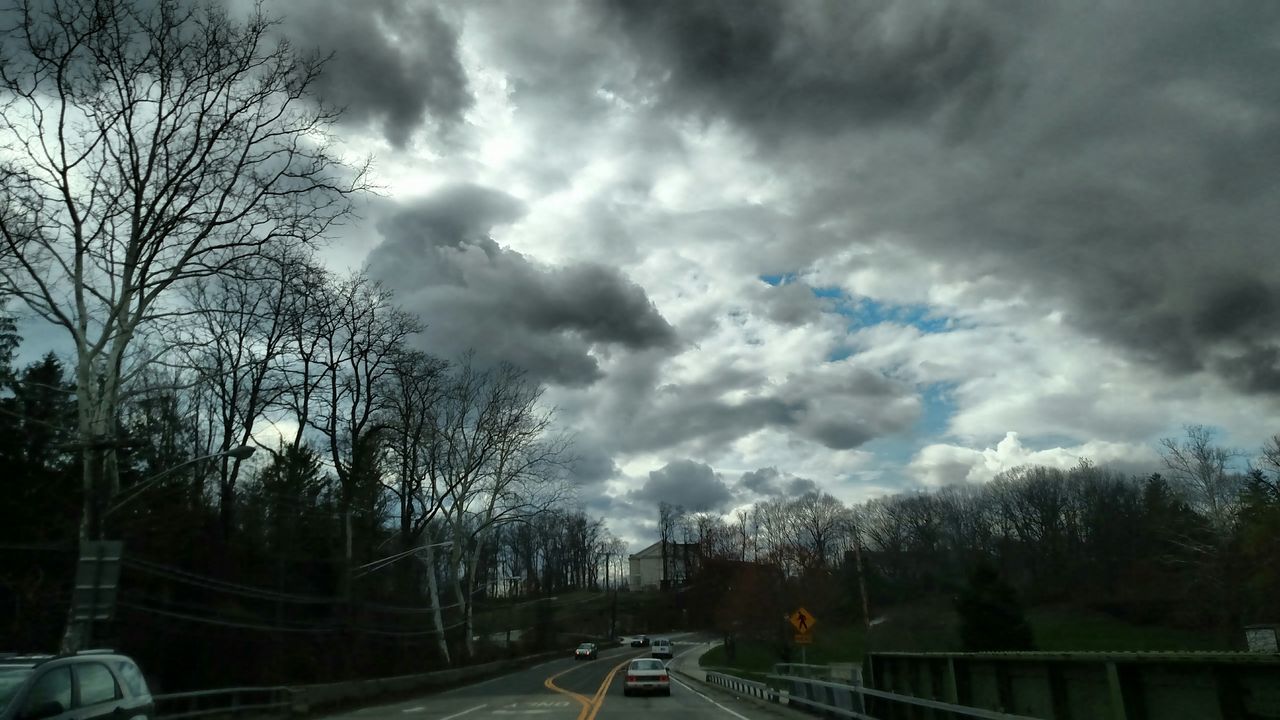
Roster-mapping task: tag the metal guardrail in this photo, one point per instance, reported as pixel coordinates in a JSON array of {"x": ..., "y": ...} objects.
[
  {"x": 849, "y": 701},
  {"x": 743, "y": 686},
  {"x": 225, "y": 701},
  {"x": 282, "y": 701}
]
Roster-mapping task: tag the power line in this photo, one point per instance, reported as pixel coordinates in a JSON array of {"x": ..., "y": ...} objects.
[
  {"x": 190, "y": 578},
  {"x": 223, "y": 623},
  {"x": 214, "y": 613}
]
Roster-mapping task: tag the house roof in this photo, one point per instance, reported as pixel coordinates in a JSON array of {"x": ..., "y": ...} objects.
[{"x": 655, "y": 550}]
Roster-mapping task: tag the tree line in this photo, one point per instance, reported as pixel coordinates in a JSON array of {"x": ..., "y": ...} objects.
[
  {"x": 394, "y": 494},
  {"x": 1192, "y": 544}
]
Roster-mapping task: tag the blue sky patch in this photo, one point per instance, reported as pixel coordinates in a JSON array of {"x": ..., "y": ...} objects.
[
  {"x": 779, "y": 279},
  {"x": 866, "y": 312},
  {"x": 937, "y": 406}
]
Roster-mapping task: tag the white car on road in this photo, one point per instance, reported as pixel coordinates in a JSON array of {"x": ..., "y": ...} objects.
[{"x": 647, "y": 675}]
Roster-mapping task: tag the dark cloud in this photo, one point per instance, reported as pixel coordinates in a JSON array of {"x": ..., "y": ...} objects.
[
  {"x": 837, "y": 406},
  {"x": 395, "y": 63},
  {"x": 476, "y": 295},
  {"x": 770, "y": 482},
  {"x": 688, "y": 484},
  {"x": 1112, "y": 167},
  {"x": 591, "y": 466},
  {"x": 776, "y": 66}
]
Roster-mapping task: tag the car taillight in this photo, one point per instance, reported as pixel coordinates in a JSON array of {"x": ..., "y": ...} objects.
[
  {"x": 662, "y": 678},
  {"x": 631, "y": 678}
]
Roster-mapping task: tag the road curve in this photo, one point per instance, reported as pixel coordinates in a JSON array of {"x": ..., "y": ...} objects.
[{"x": 570, "y": 690}]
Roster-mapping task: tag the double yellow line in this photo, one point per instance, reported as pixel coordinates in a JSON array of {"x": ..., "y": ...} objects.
[{"x": 590, "y": 706}]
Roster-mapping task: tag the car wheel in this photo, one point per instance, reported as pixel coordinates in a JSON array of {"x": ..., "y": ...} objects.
[
  {"x": 626, "y": 692},
  {"x": 667, "y": 692}
]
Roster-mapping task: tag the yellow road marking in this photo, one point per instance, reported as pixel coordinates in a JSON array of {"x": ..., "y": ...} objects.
[
  {"x": 550, "y": 684},
  {"x": 590, "y": 706},
  {"x": 604, "y": 688}
]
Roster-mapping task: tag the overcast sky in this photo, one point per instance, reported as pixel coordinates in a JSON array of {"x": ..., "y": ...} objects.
[{"x": 760, "y": 247}]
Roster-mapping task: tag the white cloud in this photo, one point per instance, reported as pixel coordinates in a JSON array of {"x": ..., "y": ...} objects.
[{"x": 941, "y": 464}]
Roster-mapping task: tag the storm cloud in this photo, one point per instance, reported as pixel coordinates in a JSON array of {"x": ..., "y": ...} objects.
[
  {"x": 770, "y": 482},
  {"x": 394, "y": 64},
  {"x": 1064, "y": 218},
  {"x": 1104, "y": 165},
  {"x": 779, "y": 66},
  {"x": 439, "y": 258},
  {"x": 691, "y": 485}
]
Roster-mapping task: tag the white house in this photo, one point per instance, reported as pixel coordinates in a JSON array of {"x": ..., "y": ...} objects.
[{"x": 646, "y": 565}]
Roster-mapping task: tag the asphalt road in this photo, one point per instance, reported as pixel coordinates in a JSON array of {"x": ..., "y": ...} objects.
[{"x": 570, "y": 690}]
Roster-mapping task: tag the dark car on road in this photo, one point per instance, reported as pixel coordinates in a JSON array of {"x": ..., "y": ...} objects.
[
  {"x": 640, "y": 641},
  {"x": 586, "y": 651},
  {"x": 90, "y": 685}
]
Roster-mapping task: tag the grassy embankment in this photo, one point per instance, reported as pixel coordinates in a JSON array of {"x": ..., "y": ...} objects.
[{"x": 935, "y": 629}]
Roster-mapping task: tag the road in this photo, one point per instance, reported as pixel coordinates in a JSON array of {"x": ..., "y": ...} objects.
[{"x": 570, "y": 690}]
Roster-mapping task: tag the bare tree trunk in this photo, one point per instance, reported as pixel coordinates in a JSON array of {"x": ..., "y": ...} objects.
[
  {"x": 472, "y": 564},
  {"x": 442, "y": 642}
]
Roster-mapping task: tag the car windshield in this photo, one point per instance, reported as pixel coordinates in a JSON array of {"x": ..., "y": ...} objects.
[
  {"x": 584, "y": 646},
  {"x": 646, "y": 665},
  {"x": 11, "y": 679}
]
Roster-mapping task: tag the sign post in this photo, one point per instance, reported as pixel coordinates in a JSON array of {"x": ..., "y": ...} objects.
[
  {"x": 97, "y": 579},
  {"x": 803, "y": 621}
]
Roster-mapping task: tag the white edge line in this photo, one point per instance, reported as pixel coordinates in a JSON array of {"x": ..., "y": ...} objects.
[
  {"x": 469, "y": 686},
  {"x": 704, "y": 697},
  {"x": 464, "y": 712},
  {"x": 419, "y": 708}
]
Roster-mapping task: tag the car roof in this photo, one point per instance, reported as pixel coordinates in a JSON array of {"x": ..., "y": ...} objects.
[{"x": 35, "y": 659}]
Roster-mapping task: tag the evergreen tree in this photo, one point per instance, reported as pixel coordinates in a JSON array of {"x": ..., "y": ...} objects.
[{"x": 991, "y": 618}]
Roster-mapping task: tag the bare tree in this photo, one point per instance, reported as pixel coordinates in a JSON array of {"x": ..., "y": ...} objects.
[
  {"x": 416, "y": 385},
  {"x": 238, "y": 340},
  {"x": 146, "y": 144},
  {"x": 498, "y": 461},
  {"x": 358, "y": 363},
  {"x": 1202, "y": 470},
  {"x": 820, "y": 526}
]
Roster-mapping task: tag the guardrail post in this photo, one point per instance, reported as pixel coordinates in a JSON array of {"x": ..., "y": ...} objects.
[{"x": 1116, "y": 692}]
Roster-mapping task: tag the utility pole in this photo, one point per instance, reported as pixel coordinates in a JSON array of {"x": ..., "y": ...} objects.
[{"x": 862, "y": 579}]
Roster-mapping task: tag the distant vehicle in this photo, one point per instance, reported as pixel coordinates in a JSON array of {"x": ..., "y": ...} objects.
[
  {"x": 90, "y": 685},
  {"x": 647, "y": 675},
  {"x": 662, "y": 648},
  {"x": 640, "y": 641},
  {"x": 586, "y": 651}
]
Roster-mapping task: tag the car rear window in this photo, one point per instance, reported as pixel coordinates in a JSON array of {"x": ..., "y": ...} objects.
[
  {"x": 11, "y": 680},
  {"x": 132, "y": 678},
  {"x": 646, "y": 665}
]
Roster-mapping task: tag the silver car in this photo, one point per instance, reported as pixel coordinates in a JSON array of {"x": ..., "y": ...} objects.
[{"x": 90, "y": 685}]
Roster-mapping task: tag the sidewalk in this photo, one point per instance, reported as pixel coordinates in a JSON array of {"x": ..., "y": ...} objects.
[{"x": 686, "y": 663}]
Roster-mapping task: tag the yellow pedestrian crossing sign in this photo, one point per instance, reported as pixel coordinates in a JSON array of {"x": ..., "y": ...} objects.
[{"x": 802, "y": 621}]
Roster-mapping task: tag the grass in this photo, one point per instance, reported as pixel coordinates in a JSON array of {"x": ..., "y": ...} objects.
[
  {"x": 1060, "y": 629},
  {"x": 934, "y": 627}
]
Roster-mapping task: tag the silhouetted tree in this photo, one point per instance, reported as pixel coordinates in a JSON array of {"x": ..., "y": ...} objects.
[{"x": 991, "y": 619}]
